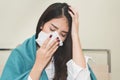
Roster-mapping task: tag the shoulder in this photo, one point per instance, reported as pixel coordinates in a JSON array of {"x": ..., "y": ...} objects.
[{"x": 25, "y": 50}]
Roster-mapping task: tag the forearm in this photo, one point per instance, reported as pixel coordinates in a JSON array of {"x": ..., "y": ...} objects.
[
  {"x": 78, "y": 56},
  {"x": 36, "y": 71}
]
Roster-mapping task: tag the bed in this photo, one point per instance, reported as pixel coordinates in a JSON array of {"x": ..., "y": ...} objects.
[{"x": 100, "y": 62}]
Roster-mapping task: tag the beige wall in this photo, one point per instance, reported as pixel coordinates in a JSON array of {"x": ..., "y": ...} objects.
[{"x": 99, "y": 24}]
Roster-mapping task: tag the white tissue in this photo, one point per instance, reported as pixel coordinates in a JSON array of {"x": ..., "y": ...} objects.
[{"x": 42, "y": 36}]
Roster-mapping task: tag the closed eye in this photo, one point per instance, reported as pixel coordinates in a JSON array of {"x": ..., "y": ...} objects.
[
  {"x": 52, "y": 29},
  {"x": 63, "y": 35}
]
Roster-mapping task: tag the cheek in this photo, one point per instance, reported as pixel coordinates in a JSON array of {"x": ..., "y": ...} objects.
[
  {"x": 63, "y": 38},
  {"x": 46, "y": 29}
]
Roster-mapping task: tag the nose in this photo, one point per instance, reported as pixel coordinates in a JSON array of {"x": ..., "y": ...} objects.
[{"x": 56, "y": 34}]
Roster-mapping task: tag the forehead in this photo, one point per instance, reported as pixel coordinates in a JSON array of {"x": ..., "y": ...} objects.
[{"x": 61, "y": 23}]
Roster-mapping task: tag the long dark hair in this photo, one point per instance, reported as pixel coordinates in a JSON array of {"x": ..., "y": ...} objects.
[{"x": 64, "y": 53}]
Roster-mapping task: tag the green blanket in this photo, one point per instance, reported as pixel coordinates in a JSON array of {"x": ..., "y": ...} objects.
[{"x": 21, "y": 61}]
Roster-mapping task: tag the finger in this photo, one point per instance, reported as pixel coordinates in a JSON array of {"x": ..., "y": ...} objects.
[
  {"x": 52, "y": 44},
  {"x": 74, "y": 11},
  {"x": 74, "y": 17},
  {"x": 71, "y": 13},
  {"x": 53, "y": 49},
  {"x": 44, "y": 45}
]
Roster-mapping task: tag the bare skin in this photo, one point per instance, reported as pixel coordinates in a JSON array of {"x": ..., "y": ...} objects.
[
  {"x": 45, "y": 53},
  {"x": 78, "y": 56}
]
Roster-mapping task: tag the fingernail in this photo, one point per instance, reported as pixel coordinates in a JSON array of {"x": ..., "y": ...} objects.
[
  {"x": 50, "y": 36},
  {"x": 71, "y": 11},
  {"x": 58, "y": 44},
  {"x": 57, "y": 38}
]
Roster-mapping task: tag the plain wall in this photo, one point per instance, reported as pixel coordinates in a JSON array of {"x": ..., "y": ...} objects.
[{"x": 99, "y": 24}]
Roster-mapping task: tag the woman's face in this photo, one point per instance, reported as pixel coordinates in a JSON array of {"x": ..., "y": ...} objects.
[{"x": 57, "y": 24}]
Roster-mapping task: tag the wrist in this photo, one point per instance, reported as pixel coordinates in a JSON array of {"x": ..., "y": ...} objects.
[
  {"x": 38, "y": 64},
  {"x": 36, "y": 71}
]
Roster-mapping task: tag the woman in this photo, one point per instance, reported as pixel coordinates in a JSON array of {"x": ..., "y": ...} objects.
[{"x": 53, "y": 53}]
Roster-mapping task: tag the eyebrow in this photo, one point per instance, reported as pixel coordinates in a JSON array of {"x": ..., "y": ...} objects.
[
  {"x": 54, "y": 26},
  {"x": 58, "y": 28}
]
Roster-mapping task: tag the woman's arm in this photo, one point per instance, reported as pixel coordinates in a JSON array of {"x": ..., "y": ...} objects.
[
  {"x": 78, "y": 56},
  {"x": 43, "y": 56},
  {"x": 76, "y": 67}
]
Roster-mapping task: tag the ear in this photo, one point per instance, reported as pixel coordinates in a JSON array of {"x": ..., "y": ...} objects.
[{"x": 41, "y": 27}]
